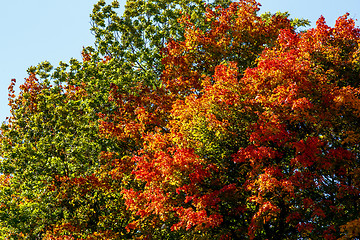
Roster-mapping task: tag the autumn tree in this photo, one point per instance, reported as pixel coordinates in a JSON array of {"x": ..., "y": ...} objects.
[
  {"x": 188, "y": 121},
  {"x": 261, "y": 132}
]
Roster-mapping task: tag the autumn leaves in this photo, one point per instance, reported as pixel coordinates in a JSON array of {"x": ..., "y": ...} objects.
[{"x": 243, "y": 128}]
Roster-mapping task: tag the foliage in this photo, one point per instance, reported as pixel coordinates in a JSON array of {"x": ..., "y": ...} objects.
[
  {"x": 309, "y": 157},
  {"x": 189, "y": 121},
  {"x": 53, "y": 159},
  {"x": 137, "y": 37}
]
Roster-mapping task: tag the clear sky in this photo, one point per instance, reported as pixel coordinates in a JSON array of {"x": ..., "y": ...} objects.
[{"x": 33, "y": 31}]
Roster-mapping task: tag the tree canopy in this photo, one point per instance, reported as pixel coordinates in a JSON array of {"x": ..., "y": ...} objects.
[{"x": 189, "y": 120}]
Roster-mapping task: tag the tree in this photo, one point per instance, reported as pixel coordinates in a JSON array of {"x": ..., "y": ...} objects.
[
  {"x": 50, "y": 153},
  {"x": 188, "y": 121},
  {"x": 260, "y": 138}
]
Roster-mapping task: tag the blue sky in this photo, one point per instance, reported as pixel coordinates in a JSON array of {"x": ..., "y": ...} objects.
[{"x": 56, "y": 30}]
